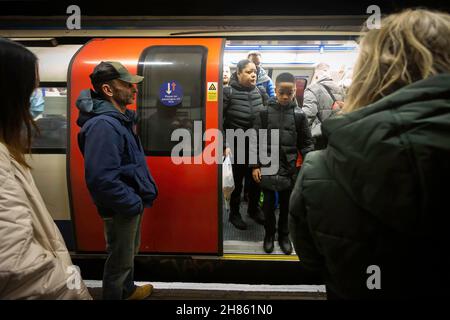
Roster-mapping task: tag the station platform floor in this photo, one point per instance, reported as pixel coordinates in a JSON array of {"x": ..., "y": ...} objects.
[{"x": 223, "y": 291}]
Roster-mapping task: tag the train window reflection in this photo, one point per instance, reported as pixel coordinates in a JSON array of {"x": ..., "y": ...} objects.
[
  {"x": 48, "y": 106},
  {"x": 171, "y": 96}
]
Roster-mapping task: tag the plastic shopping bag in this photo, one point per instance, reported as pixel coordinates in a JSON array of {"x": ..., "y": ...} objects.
[{"x": 227, "y": 178}]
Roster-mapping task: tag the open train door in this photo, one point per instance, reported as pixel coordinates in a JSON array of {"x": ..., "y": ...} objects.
[{"x": 181, "y": 90}]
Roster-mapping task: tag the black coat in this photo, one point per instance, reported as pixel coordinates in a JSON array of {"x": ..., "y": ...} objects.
[
  {"x": 378, "y": 196},
  {"x": 290, "y": 143},
  {"x": 240, "y": 105}
]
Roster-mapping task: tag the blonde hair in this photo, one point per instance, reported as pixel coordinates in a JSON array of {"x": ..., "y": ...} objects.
[{"x": 410, "y": 46}]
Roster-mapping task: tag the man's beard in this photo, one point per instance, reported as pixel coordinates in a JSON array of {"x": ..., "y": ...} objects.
[{"x": 124, "y": 99}]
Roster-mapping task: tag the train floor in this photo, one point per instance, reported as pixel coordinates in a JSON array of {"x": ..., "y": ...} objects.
[
  {"x": 222, "y": 291},
  {"x": 249, "y": 241}
]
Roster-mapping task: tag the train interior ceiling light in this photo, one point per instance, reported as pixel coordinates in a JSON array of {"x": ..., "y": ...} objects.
[{"x": 294, "y": 54}]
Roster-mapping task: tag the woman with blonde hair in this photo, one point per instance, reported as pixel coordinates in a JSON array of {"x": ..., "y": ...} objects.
[
  {"x": 34, "y": 261},
  {"x": 382, "y": 231}
]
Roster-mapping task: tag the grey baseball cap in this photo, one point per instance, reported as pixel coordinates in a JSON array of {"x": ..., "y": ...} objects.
[{"x": 110, "y": 70}]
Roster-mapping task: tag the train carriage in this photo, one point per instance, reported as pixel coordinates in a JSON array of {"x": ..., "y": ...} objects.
[{"x": 187, "y": 228}]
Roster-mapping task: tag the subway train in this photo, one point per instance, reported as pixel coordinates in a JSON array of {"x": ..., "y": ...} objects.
[{"x": 186, "y": 234}]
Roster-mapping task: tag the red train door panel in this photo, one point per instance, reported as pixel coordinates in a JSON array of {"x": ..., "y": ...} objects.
[{"x": 186, "y": 216}]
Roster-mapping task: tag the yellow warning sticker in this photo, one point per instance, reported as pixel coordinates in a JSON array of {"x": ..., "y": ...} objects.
[{"x": 212, "y": 91}]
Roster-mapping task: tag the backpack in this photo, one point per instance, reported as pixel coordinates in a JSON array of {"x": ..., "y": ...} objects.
[{"x": 337, "y": 104}]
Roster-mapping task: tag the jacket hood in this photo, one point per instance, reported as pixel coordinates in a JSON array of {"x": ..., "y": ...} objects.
[
  {"x": 262, "y": 76},
  {"x": 392, "y": 156},
  {"x": 91, "y": 105}
]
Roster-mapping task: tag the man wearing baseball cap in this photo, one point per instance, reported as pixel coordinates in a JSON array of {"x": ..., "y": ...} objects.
[{"x": 116, "y": 173}]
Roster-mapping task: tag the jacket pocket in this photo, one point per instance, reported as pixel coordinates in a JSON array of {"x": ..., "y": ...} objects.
[{"x": 146, "y": 186}]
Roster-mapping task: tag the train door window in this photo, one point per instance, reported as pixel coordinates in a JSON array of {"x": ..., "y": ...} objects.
[
  {"x": 171, "y": 96},
  {"x": 48, "y": 107}
]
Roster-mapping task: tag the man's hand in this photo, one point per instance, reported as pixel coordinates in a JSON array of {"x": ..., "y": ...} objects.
[{"x": 256, "y": 173}]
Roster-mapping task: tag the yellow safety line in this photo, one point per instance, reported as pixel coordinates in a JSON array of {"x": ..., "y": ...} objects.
[{"x": 266, "y": 257}]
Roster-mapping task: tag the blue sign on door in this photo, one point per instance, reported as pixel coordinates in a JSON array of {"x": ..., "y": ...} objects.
[{"x": 170, "y": 93}]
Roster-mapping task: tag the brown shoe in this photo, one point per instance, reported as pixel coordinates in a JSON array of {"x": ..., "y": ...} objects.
[{"x": 142, "y": 292}]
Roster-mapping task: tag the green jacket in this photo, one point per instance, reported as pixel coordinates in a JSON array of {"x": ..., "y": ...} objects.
[{"x": 378, "y": 196}]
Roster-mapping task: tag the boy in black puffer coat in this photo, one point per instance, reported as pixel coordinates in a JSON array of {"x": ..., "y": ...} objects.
[{"x": 282, "y": 114}]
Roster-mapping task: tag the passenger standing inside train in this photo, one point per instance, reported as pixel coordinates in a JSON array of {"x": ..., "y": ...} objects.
[
  {"x": 116, "y": 172},
  {"x": 34, "y": 261},
  {"x": 371, "y": 211},
  {"x": 322, "y": 99},
  {"x": 226, "y": 75},
  {"x": 282, "y": 114},
  {"x": 241, "y": 102},
  {"x": 262, "y": 78}
]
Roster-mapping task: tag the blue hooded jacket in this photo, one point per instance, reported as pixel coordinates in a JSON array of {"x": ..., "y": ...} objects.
[
  {"x": 263, "y": 80},
  {"x": 116, "y": 172}
]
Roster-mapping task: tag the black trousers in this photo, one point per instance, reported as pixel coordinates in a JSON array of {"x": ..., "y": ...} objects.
[
  {"x": 239, "y": 173},
  {"x": 269, "y": 212}
]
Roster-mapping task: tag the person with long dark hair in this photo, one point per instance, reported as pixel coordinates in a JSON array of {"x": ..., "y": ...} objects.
[{"x": 34, "y": 261}]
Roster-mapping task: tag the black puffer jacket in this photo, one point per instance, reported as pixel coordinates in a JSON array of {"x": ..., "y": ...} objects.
[
  {"x": 378, "y": 196},
  {"x": 240, "y": 105},
  {"x": 289, "y": 144}
]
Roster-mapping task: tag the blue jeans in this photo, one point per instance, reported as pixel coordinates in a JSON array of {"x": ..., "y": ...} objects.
[{"x": 123, "y": 238}]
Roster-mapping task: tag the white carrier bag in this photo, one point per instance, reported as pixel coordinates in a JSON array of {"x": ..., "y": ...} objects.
[{"x": 227, "y": 179}]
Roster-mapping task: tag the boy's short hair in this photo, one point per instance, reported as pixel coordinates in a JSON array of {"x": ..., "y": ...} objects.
[{"x": 285, "y": 77}]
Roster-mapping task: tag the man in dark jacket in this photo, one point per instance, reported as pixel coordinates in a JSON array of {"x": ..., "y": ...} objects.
[
  {"x": 116, "y": 172},
  {"x": 284, "y": 115},
  {"x": 371, "y": 211}
]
